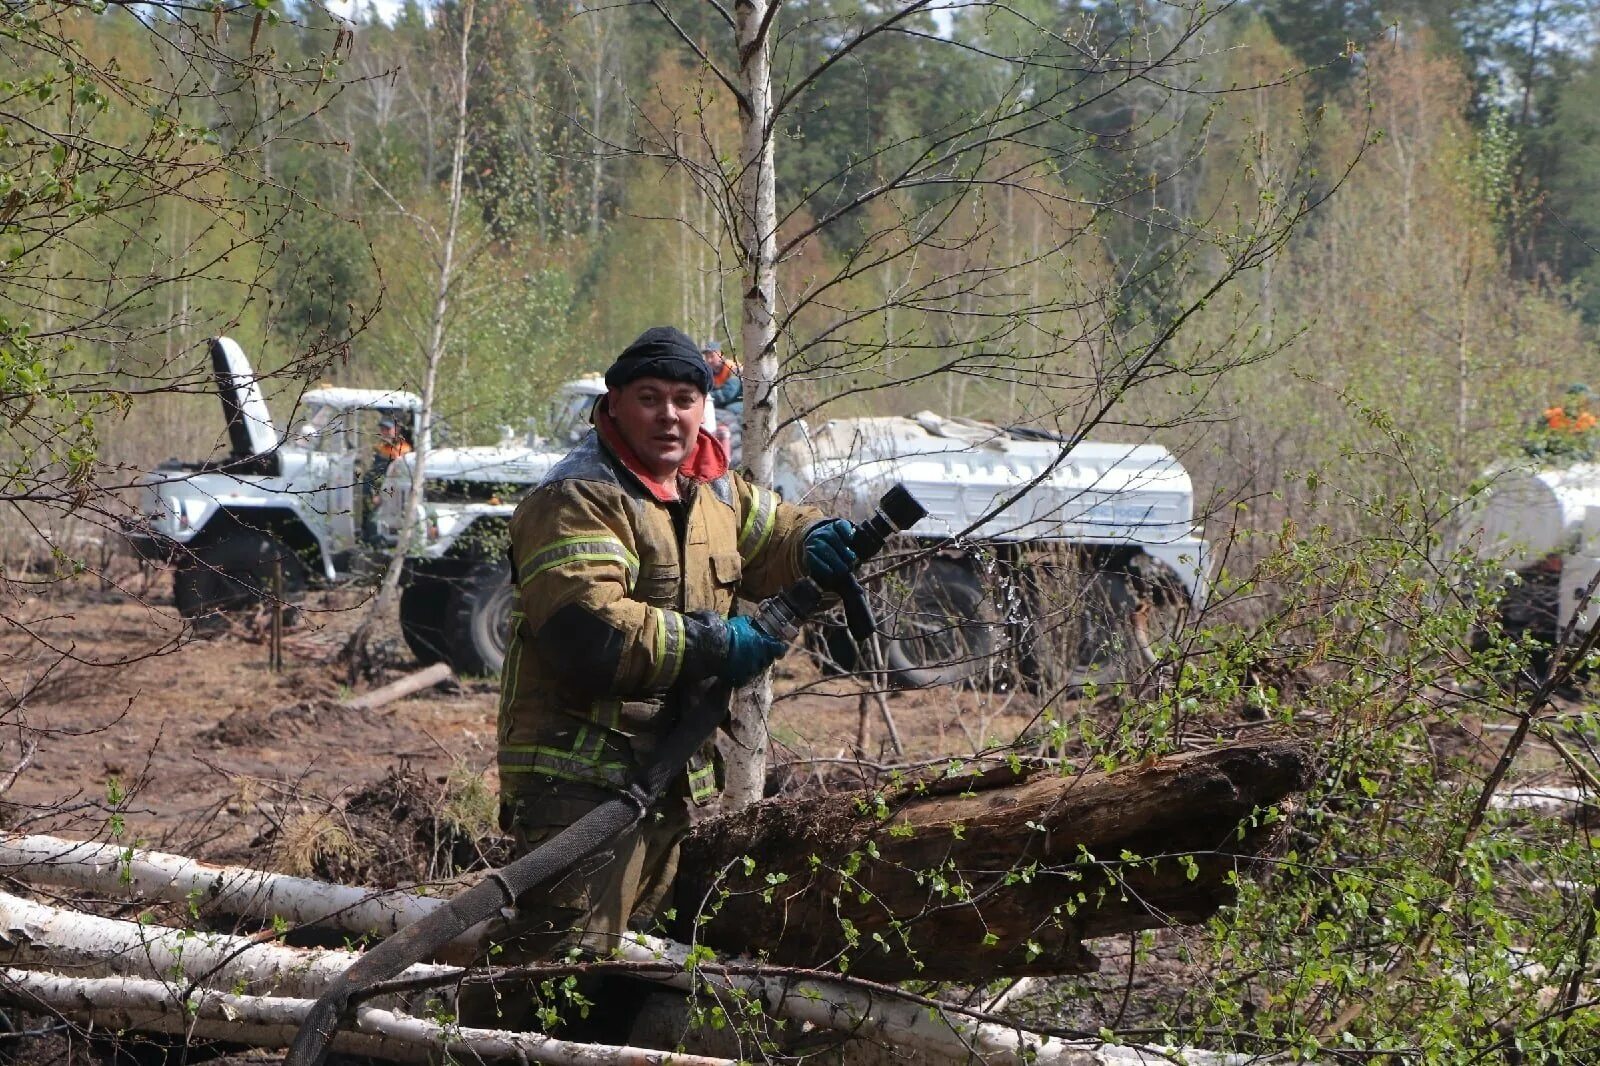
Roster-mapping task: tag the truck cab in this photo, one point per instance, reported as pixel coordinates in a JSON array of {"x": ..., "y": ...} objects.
[
  {"x": 279, "y": 511},
  {"x": 456, "y": 600}
]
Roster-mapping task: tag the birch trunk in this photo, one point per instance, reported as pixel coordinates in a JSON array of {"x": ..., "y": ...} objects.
[
  {"x": 34, "y": 936},
  {"x": 117, "y": 873},
  {"x": 118, "y": 1003},
  {"x": 444, "y": 290},
  {"x": 746, "y": 764}
]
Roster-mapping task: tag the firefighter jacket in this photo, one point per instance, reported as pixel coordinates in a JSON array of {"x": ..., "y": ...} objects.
[{"x": 608, "y": 580}]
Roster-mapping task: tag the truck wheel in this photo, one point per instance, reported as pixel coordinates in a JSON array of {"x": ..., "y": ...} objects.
[
  {"x": 480, "y": 619},
  {"x": 422, "y": 613},
  {"x": 943, "y": 632},
  {"x": 235, "y": 573}
]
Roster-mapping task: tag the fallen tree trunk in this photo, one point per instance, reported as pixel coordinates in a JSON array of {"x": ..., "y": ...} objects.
[
  {"x": 128, "y": 874},
  {"x": 120, "y": 1003},
  {"x": 963, "y": 878},
  {"x": 129, "y": 961},
  {"x": 34, "y": 936},
  {"x": 437, "y": 674},
  {"x": 860, "y": 1012},
  {"x": 970, "y": 878}
]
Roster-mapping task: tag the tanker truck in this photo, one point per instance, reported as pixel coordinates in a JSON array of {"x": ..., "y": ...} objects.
[
  {"x": 1065, "y": 564},
  {"x": 1076, "y": 582},
  {"x": 1542, "y": 525}
]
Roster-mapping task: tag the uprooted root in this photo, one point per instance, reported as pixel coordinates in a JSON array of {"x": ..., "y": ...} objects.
[{"x": 404, "y": 829}]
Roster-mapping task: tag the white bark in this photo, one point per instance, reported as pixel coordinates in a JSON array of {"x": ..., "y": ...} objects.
[
  {"x": 128, "y": 874},
  {"x": 118, "y": 1003},
  {"x": 35, "y": 936},
  {"x": 433, "y": 353},
  {"x": 905, "y": 1025},
  {"x": 1543, "y": 797},
  {"x": 825, "y": 1004},
  {"x": 746, "y": 765}
]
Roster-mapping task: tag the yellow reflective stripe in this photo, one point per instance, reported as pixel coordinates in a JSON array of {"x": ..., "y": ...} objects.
[
  {"x": 702, "y": 783},
  {"x": 758, "y": 522},
  {"x": 513, "y": 664},
  {"x": 607, "y": 712},
  {"x": 576, "y": 549},
  {"x": 667, "y": 649},
  {"x": 554, "y": 762}
]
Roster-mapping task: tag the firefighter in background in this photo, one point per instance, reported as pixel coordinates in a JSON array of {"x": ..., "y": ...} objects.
[
  {"x": 627, "y": 560},
  {"x": 727, "y": 387},
  {"x": 727, "y": 392},
  {"x": 392, "y": 444}
]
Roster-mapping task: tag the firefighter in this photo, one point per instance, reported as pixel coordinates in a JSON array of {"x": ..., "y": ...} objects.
[
  {"x": 727, "y": 384},
  {"x": 391, "y": 445},
  {"x": 627, "y": 559}
]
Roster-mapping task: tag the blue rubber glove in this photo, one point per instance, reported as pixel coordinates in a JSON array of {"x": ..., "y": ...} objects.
[
  {"x": 829, "y": 557},
  {"x": 750, "y": 651}
]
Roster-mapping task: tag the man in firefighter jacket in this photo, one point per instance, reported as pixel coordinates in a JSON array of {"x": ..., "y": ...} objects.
[{"x": 627, "y": 559}]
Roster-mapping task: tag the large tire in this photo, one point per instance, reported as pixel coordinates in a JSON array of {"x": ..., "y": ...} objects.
[
  {"x": 234, "y": 573},
  {"x": 480, "y": 619},
  {"x": 423, "y": 604},
  {"x": 944, "y": 631}
]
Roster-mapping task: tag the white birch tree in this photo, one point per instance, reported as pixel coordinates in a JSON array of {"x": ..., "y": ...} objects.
[{"x": 1062, "y": 98}]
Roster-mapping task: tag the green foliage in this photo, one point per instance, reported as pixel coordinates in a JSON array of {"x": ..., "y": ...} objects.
[
  {"x": 323, "y": 281},
  {"x": 137, "y": 216}
]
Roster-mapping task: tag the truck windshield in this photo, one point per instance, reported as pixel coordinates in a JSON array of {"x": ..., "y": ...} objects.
[{"x": 567, "y": 418}]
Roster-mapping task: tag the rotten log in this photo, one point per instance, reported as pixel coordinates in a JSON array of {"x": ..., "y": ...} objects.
[{"x": 1001, "y": 873}]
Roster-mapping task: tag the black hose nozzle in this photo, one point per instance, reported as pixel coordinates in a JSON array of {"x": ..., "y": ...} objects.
[{"x": 781, "y": 616}]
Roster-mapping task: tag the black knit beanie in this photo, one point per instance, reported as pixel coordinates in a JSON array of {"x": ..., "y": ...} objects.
[{"x": 661, "y": 352}]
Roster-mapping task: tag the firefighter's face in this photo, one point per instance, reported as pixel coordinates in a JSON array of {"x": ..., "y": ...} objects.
[{"x": 659, "y": 420}]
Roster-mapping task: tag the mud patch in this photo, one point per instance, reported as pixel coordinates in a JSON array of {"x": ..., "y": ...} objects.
[{"x": 250, "y": 726}]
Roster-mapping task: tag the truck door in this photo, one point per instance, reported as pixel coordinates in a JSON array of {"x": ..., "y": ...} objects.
[
  {"x": 344, "y": 484},
  {"x": 313, "y": 480}
]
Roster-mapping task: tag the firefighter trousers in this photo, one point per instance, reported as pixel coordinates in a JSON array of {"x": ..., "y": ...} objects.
[{"x": 586, "y": 912}]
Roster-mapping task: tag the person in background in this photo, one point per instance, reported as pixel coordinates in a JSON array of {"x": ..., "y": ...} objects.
[
  {"x": 727, "y": 393},
  {"x": 391, "y": 445},
  {"x": 727, "y": 386}
]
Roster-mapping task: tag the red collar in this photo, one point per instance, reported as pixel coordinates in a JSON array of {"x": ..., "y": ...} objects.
[{"x": 706, "y": 461}]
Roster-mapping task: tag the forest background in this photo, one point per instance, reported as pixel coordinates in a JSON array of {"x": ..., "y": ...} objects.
[{"x": 1453, "y": 283}]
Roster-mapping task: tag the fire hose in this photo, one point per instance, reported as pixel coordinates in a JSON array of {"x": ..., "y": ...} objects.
[{"x": 704, "y": 708}]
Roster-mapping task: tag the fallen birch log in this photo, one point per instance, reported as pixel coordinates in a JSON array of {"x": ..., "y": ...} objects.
[
  {"x": 120, "y": 1003},
  {"x": 905, "y": 1025},
  {"x": 34, "y": 936},
  {"x": 1001, "y": 873},
  {"x": 28, "y": 929},
  {"x": 437, "y": 674},
  {"x": 135, "y": 875}
]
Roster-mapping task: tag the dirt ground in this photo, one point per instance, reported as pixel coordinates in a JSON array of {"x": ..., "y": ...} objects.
[
  {"x": 198, "y": 746},
  {"x": 129, "y": 727}
]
